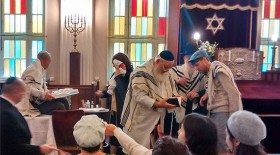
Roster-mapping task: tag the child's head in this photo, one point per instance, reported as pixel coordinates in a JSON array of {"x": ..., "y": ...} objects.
[
  {"x": 244, "y": 128},
  {"x": 199, "y": 133}
]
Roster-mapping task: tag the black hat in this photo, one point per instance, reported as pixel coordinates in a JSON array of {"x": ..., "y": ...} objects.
[{"x": 166, "y": 55}]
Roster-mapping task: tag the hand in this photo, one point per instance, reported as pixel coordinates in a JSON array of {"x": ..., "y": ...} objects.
[
  {"x": 182, "y": 81},
  {"x": 159, "y": 131},
  {"x": 49, "y": 96},
  {"x": 110, "y": 128},
  {"x": 191, "y": 95},
  {"x": 203, "y": 98},
  {"x": 117, "y": 71},
  {"x": 47, "y": 148},
  {"x": 163, "y": 104},
  {"x": 99, "y": 93},
  {"x": 60, "y": 152}
]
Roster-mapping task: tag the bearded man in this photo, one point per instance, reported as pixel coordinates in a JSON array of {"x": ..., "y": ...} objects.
[{"x": 145, "y": 102}]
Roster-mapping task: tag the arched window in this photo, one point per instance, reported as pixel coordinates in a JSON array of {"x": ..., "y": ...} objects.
[{"x": 22, "y": 34}]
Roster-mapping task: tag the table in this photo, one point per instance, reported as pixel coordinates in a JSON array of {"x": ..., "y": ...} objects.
[
  {"x": 41, "y": 129},
  {"x": 100, "y": 112}
]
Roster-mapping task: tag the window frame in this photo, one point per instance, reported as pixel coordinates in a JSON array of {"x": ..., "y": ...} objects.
[
  {"x": 28, "y": 36},
  {"x": 127, "y": 38}
]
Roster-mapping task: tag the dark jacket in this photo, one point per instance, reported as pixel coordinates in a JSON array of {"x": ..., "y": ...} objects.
[
  {"x": 15, "y": 134},
  {"x": 120, "y": 92}
]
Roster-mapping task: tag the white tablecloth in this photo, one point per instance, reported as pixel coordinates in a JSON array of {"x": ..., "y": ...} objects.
[{"x": 41, "y": 130}]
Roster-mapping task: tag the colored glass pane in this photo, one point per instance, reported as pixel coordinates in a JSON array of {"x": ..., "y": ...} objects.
[
  {"x": 132, "y": 51},
  {"x": 161, "y": 47},
  {"x": 23, "y": 7},
  {"x": 144, "y": 52},
  {"x": 144, "y": 7},
  {"x": 12, "y": 49},
  {"x": 6, "y": 68},
  {"x": 269, "y": 54},
  {"x": 6, "y": 6},
  {"x": 12, "y": 6},
  {"x": 149, "y": 51},
  {"x": 37, "y": 23},
  {"x": 138, "y": 51},
  {"x": 265, "y": 28},
  {"x": 144, "y": 25},
  {"x": 277, "y": 9},
  {"x": 272, "y": 9},
  {"x": 23, "y": 49},
  {"x": 150, "y": 26},
  {"x": 277, "y": 55},
  {"x": 34, "y": 6},
  {"x": 37, "y": 46},
  {"x": 12, "y": 67},
  {"x": 34, "y": 24},
  {"x": 118, "y": 47},
  {"x": 162, "y": 6},
  {"x": 133, "y": 26},
  {"x": 265, "y": 66},
  {"x": 23, "y": 65},
  {"x": 266, "y": 4},
  {"x": 139, "y": 8},
  {"x": 133, "y": 7},
  {"x": 17, "y": 6},
  {"x": 117, "y": 26},
  {"x": 17, "y": 68},
  {"x": 40, "y": 24},
  {"x": 138, "y": 25},
  {"x": 17, "y": 49},
  {"x": 6, "y": 48},
  {"x": 122, "y": 25},
  {"x": 150, "y": 8},
  {"x": 161, "y": 26},
  {"x": 119, "y": 8}
]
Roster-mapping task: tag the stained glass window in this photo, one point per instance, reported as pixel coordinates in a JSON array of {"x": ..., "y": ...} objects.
[
  {"x": 14, "y": 16},
  {"x": 22, "y": 36},
  {"x": 270, "y": 26},
  {"x": 14, "y": 57},
  {"x": 138, "y": 28}
]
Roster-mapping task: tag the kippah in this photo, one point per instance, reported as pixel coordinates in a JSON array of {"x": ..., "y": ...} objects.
[
  {"x": 166, "y": 55},
  {"x": 197, "y": 55}
]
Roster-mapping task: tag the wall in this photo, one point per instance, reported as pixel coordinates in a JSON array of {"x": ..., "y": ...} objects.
[
  {"x": 52, "y": 31},
  {"x": 100, "y": 40}
]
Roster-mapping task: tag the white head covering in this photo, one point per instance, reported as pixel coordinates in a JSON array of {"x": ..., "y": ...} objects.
[
  {"x": 89, "y": 131},
  {"x": 247, "y": 127}
]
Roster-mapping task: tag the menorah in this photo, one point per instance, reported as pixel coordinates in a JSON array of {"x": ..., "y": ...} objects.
[{"x": 75, "y": 25}]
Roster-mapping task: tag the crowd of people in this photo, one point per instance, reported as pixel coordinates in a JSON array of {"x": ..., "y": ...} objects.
[{"x": 209, "y": 121}]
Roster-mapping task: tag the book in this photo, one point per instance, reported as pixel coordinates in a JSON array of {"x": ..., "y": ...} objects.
[
  {"x": 175, "y": 101},
  {"x": 61, "y": 93}
]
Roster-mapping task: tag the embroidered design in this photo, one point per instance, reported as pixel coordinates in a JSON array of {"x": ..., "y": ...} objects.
[{"x": 218, "y": 20}]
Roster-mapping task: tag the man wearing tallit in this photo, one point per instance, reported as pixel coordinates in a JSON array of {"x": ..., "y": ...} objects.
[
  {"x": 145, "y": 103},
  {"x": 222, "y": 93}
]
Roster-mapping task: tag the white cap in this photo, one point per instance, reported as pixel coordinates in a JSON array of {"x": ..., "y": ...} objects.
[
  {"x": 247, "y": 127},
  {"x": 89, "y": 131}
]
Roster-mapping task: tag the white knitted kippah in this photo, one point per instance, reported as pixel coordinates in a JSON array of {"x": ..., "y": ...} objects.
[
  {"x": 247, "y": 127},
  {"x": 89, "y": 131}
]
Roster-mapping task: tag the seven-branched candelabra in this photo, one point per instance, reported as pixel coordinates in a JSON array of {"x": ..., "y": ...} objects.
[{"x": 75, "y": 25}]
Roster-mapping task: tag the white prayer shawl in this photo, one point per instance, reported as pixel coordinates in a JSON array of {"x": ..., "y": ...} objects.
[
  {"x": 138, "y": 116},
  {"x": 195, "y": 83},
  {"x": 215, "y": 68}
]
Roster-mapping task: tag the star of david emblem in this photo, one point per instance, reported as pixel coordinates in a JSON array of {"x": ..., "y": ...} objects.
[{"x": 218, "y": 20}]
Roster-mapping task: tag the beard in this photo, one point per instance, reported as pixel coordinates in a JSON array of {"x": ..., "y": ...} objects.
[{"x": 160, "y": 77}]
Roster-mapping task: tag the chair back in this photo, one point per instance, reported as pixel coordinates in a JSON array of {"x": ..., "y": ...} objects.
[{"x": 63, "y": 126}]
